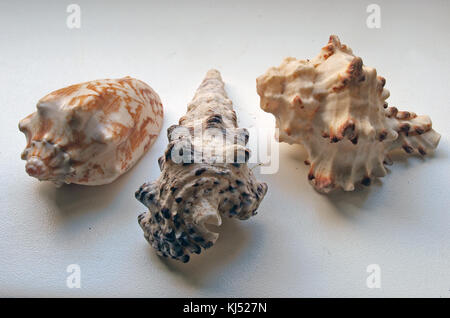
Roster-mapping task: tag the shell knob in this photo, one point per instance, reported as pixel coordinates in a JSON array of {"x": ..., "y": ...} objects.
[{"x": 36, "y": 168}]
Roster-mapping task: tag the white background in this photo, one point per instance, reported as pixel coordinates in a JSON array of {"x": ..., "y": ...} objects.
[{"x": 301, "y": 243}]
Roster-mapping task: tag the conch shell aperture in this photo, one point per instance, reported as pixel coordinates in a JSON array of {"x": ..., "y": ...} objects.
[
  {"x": 336, "y": 108},
  {"x": 191, "y": 194},
  {"x": 91, "y": 133}
]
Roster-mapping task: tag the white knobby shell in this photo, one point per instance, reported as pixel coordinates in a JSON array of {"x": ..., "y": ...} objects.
[
  {"x": 336, "y": 108},
  {"x": 91, "y": 133},
  {"x": 189, "y": 195}
]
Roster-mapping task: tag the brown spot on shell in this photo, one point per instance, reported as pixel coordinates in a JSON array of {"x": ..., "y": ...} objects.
[
  {"x": 391, "y": 112},
  {"x": 405, "y": 128},
  {"x": 355, "y": 69},
  {"x": 381, "y": 81},
  {"x": 328, "y": 50},
  {"x": 353, "y": 75},
  {"x": 297, "y": 101},
  {"x": 366, "y": 181},
  {"x": 407, "y": 148},
  {"x": 403, "y": 115},
  {"x": 382, "y": 136},
  {"x": 422, "y": 151},
  {"x": 347, "y": 129},
  {"x": 419, "y": 130}
]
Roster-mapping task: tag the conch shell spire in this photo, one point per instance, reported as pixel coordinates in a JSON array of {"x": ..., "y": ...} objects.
[
  {"x": 47, "y": 161},
  {"x": 205, "y": 186},
  {"x": 336, "y": 107}
]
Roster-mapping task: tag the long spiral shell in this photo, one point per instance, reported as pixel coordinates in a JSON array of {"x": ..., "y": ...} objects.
[{"x": 190, "y": 194}]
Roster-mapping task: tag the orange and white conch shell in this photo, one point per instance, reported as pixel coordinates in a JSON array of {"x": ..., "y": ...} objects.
[
  {"x": 336, "y": 108},
  {"x": 91, "y": 133}
]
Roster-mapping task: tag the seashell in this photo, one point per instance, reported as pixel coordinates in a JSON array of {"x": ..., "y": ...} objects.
[
  {"x": 336, "y": 108},
  {"x": 200, "y": 189},
  {"x": 91, "y": 133}
]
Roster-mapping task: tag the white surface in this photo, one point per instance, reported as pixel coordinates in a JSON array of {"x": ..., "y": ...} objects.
[{"x": 301, "y": 243}]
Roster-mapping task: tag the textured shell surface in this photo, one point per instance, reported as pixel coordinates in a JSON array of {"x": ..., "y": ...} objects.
[
  {"x": 91, "y": 133},
  {"x": 336, "y": 107},
  {"x": 191, "y": 194}
]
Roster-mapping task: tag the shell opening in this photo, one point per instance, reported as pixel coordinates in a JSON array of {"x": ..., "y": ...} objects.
[{"x": 207, "y": 219}]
